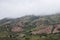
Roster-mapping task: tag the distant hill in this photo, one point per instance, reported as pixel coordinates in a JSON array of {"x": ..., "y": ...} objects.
[{"x": 31, "y": 24}]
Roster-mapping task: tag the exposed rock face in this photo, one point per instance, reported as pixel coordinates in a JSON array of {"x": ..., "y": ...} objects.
[
  {"x": 16, "y": 29},
  {"x": 46, "y": 30},
  {"x": 56, "y": 28}
]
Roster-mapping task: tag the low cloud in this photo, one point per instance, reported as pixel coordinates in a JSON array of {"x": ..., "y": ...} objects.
[{"x": 18, "y": 8}]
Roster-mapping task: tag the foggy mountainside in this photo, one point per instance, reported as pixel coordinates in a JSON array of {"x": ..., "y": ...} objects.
[{"x": 31, "y": 27}]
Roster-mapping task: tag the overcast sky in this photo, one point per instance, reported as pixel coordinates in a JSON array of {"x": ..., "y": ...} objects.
[{"x": 18, "y": 8}]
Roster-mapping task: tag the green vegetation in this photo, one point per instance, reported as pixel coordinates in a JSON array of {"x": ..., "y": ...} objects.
[{"x": 30, "y": 24}]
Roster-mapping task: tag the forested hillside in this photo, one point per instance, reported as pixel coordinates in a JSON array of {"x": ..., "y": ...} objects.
[{"x": 31, "y": 27}]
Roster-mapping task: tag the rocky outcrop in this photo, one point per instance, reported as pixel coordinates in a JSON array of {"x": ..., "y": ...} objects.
[
  {"x": 16, "y": 29},
  {"x": 48, "y": 30},
  {"x": 57, "y": 27}
]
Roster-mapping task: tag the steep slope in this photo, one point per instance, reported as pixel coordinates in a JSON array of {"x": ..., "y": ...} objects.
[
  {"x": 47, "y": 24},
  {"x": 31, "y": 24}
]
